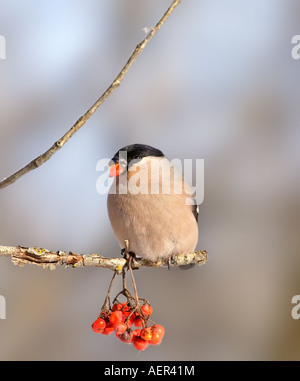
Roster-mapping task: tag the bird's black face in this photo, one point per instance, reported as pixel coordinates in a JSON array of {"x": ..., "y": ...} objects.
[{"x": 134, "y": 152}]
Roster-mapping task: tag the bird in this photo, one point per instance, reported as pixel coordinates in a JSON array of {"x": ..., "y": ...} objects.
[{"x": 150, "y": 204}]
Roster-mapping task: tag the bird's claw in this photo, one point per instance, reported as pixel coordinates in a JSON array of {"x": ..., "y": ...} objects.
[
  {"x": 171, "y": 261},
  {"x": 129, "y": 256}
]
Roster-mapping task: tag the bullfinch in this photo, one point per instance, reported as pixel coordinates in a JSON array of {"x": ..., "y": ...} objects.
[{"x": 150, "y": 204}]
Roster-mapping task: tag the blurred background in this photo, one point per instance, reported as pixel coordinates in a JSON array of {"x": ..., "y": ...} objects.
[{"x": 218, "y": 83}]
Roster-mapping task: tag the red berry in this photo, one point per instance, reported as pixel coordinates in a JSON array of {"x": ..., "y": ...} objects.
[
  {"x": 116, "y": 317},
  {"x": 135, "y": 333},
  {"x": 155, "y": 338},
  {"x": 146, "y": 333},
  {"x": 140, "y": 344},
  {"x": 117, "y": 307},
  {"x": 120, "y": 328},
  {"x": 158, "y": 328},
  {"x": 104, "y": 314},
  {"x": 108, "y": 329},
  {"x": 126, "y": 314},
  {"x": 125, "y": 307},
  {"x": 158, "y": 332},
  {"x": 130, "y": 321},
  {"x": 120, "y": 307},
  {"x": 98, "y": 325},
  {"x": 126, "y": 337},
  {"x": 147, "y": 309},
  {"x": 138, "y": 321}
]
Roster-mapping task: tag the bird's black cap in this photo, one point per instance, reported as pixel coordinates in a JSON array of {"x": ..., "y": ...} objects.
[{"x": 135, "y": 152}]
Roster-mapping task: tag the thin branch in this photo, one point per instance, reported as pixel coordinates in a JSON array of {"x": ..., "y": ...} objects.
[
  {"x": 50, "y": 259},
  {"x": 41, "y": 159}
]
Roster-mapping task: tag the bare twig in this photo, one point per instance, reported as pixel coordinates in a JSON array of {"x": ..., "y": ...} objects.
[
  {"x": 50, "y": 259},
  {"x": 41, "y": 159},
  {"x": 106, "y": 305}
]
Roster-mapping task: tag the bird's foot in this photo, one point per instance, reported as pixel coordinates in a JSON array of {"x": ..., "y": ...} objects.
[
  {"x": 171, "y": 261},
  {"x": 129, "y": 256}
]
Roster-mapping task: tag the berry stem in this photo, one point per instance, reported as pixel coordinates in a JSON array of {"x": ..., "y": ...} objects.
[
  {"x": 106, "y": 304},
  {"x": 124, "y": 279},
  {"x": 137, "y": 302},
  {"x": 129, "y": 264}
]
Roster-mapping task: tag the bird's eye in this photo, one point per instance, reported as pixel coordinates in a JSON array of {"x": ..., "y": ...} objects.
[{"x": 137, "y": 157}]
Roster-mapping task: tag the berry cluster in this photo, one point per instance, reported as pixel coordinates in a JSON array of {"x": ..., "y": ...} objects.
[{"x": 122, "y": 317}]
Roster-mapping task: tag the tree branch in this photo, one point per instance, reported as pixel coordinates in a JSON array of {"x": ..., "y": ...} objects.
[
  {"x": 50, "y": 259},
  {"x": 41, "y": 159}
]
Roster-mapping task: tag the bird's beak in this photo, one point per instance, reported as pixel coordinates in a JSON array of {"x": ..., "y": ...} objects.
[{"x": 115, "y": 169}]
